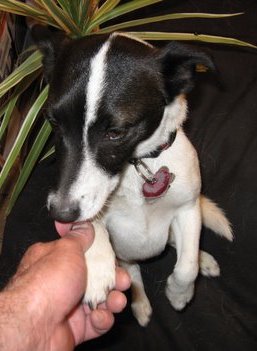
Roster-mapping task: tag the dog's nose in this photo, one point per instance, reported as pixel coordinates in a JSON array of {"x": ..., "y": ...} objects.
[{"x": 64, "y": 212}]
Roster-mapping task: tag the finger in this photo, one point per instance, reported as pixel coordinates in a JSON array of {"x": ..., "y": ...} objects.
[
  {"x": 101, "y": 320},
  {"x": 115, "y": 303},
  {"x": 78, "y": 321},
  {"x": 83, "y": 233},
  {"x": 123, "y": 280},
  {"x": 89, "y": 326}
]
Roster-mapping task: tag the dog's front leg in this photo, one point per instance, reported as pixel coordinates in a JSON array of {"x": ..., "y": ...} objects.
[
  {"x": 186, "y": 228},
  {"x": 140, "y": 306},
  {"x": 100, "y": 262}
]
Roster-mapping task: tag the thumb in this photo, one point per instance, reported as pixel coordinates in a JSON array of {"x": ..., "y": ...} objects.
[{"x": 83, "y": 233}]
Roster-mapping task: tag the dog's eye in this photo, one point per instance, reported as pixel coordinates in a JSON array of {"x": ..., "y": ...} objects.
[{"x": 115, "y": 134}]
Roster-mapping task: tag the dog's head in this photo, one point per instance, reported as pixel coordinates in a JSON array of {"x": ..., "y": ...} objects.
[{"x": 112, "y": 97}]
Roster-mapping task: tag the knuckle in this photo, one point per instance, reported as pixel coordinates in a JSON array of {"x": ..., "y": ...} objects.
[
  {"x": 65, "y": 244},
  {"x": 36, "y": 249}
]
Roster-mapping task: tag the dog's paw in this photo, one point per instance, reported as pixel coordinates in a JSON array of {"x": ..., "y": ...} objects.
[
  {"x": 100, "y": 262},
  {"x": 209, "y": 267},
  {"x": 178, "y": 295},
  {"x": 142, "y": 311}
]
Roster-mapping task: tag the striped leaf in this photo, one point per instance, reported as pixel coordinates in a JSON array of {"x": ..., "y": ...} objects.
[
  {"x": 121, "y": 10},
  {"x": 173, "y": 16},
  {"x": 23, "y": 133},
  {"x": 30, "y": 162},
  {"x": 30, "y": 65},
  {"x": 192, "y": 37},
  {"x": 9, "y": 106},
  {"x": 107, "y": 6},
  {"x": 49, "y": 153},
  {"x": 61, "y": 17}
]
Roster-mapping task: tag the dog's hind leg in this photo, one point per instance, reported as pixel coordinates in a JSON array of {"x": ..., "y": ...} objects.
[
  {"x": 141, "y": 307},
  {"x": 208, "y": 266},
  {"x": 186, "y": 227}
]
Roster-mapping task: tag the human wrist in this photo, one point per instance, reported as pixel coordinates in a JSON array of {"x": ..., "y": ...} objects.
[
  {"x": 14, "y": 322},
  {"x": 21, "y": 319}
]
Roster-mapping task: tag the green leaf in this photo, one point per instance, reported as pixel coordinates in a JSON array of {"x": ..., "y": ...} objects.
[
  {"x": 121, "y": 10},
  {"x": 71, "y": 8},
  {"x": 23, "y": 133},
  {"x": 173, "y": 16},
  {"x": 190, "y": 36},
  {"x": 8, "y": 107},
  {"x": 66, "y": 5},
  {"x": 30, "y": 162},
  {"x": 63, "y": 19},
  {"x": 84, "y": 15},
  {"x": 74, "y": 10},
  {"x": 7, "y": 115},
  {"x": 30, "y": 65},
  {"x": 19, "y": 7},
  {"x": 107, "y": 6},
  {"x": 50, "y": 152}
]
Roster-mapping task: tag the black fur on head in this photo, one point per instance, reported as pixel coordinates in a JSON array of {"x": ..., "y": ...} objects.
[
  {"x": 140, "y": 81},
  {"x": 178, "y": 67},
  {"x": 177, "y": 62},
  {"x": 49, "y": 43}
]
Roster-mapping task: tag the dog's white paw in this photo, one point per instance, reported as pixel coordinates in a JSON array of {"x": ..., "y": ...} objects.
[
  {"x": 178, "y": 295},
  {"x": 142, "y": 311},
  {"x": 209, "y": 267},
  {"x": 100, "y": 262}
]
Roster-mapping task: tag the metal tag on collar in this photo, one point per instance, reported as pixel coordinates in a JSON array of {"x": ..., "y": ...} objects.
[
  {"x": 155, "y": 185},
  {"x": 143, "y": 171}
]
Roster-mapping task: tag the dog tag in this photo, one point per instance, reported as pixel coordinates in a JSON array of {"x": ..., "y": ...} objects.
[{"x": 159, "y": 185}]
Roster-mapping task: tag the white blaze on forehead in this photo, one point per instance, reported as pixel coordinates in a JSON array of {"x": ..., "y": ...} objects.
[
  {"x": 92, "y": 185},
  {"x": 95, "y": 86}
]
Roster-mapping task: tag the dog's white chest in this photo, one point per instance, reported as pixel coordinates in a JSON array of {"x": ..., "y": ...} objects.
[{"x": 139, "y": 231}]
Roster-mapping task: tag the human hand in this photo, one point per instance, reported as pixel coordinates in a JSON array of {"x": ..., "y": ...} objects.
[{"x": 50, "y": 282}]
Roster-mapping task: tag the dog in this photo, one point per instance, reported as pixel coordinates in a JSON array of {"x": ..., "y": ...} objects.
[{"x": 117, "y": 106}]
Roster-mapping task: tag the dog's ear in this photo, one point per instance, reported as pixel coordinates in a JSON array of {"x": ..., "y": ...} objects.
[
  {"x": 179, "y": 65},
  {"x": 50, "y": 44}
]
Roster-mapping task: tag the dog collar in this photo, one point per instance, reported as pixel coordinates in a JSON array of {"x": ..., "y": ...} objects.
[
  {"x": 156, "y": 153},
  {"x": 156, "y": 185}
]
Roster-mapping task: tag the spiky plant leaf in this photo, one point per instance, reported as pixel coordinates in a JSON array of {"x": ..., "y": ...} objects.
[
  {"x": 23, "y": 133},
  {"x": 172, "y": 16},
  {"x": 29, "y": 66},
  {"x": 192, "y": 37},
  {"x": 29, "y": 164},
  {"x": 120, "y": 11},
  {"x": 8, "y": 108}
]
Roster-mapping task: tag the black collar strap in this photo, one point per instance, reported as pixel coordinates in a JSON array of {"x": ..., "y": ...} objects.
[{"x": 155, "y": 153}]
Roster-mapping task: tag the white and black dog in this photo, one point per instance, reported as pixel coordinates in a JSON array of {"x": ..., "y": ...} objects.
[{"x": 117, "y": 105}]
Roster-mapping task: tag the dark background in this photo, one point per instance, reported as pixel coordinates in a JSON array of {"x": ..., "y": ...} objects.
[{"x": 223, "y": 127}]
